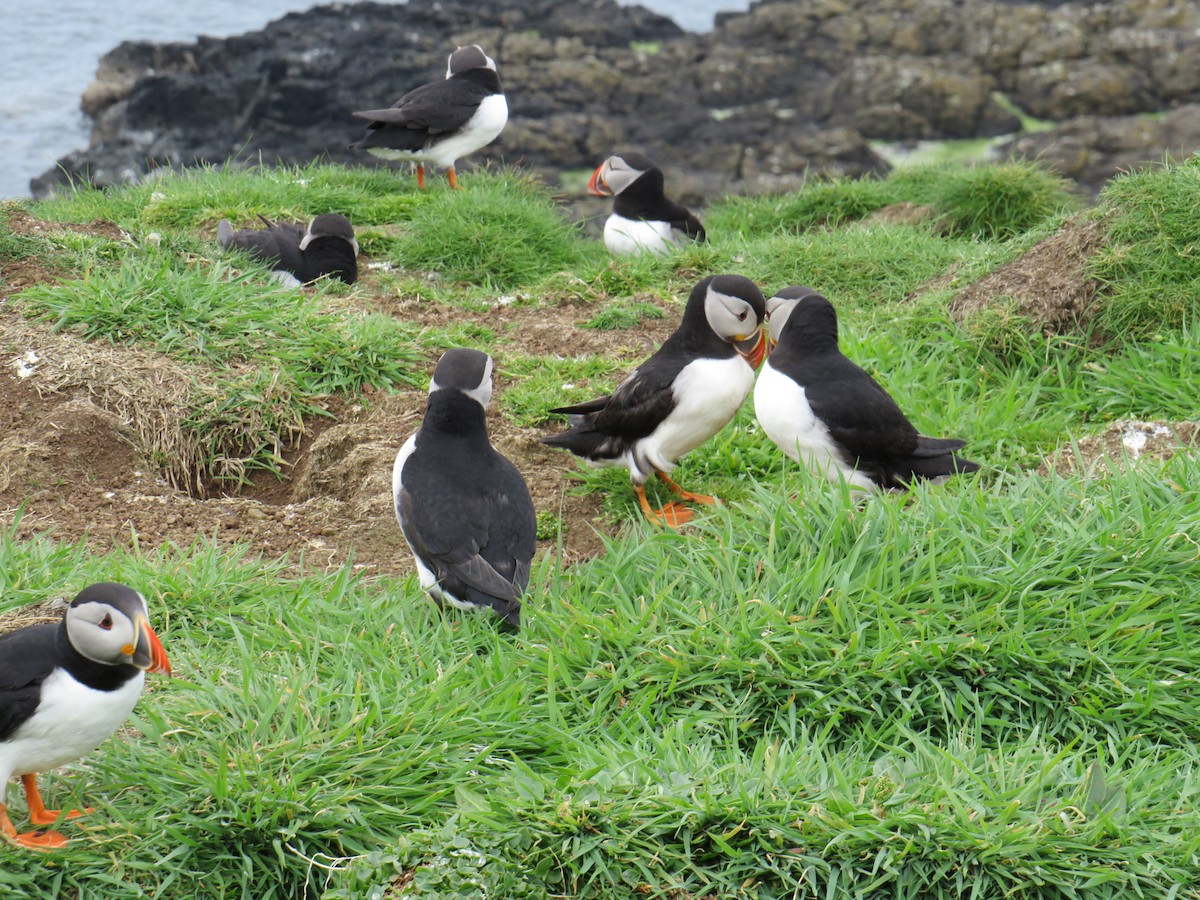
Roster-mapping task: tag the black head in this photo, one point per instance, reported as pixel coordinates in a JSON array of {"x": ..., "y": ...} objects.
[
  {"x": 466, "y": 371},
  {"x": 108, "y": 623},
  {"x": 781, "y": 304},
  {"x": 732, "y": 308},
  {"x": 329, "y": 225},
  {"x": 621, "y": 170},
  {"x": 808, "y": 322},
  {"x": 469, "y": 57}
]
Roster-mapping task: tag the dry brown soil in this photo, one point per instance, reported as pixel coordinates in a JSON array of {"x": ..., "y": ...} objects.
[{"x": 81, "y": 421}]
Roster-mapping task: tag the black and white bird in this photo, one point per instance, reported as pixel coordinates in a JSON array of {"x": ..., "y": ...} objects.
[
  {"x": 678, "y": 398},
  {"x": 65, "y": 687},
  {"x": 442, "y": 121},
  {"x": 827, "y": 413},
  {"x": 643, "y": 220},
  {"x": 299, "y": 255},
  {"x": 464, "y": 508}
]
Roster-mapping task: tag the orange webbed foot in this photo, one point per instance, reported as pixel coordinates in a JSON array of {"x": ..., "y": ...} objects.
[
  {"x": 687, "y": 495},
  {"x": 38, "y": 814},
  {"x": 30, "y": 840}
]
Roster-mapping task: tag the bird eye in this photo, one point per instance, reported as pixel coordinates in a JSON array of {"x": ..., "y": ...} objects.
[
  {"x": 742, "y": 316},
  {"x": 106, "y": 623}
]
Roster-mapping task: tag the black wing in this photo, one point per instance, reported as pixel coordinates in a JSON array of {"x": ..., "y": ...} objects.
[
  {"x": 684, "y": 220},
  {"x": 860, "y": 415},
  {"x": 607, "y": 427},
  {"x": 477, "y": 534},
  {"x": 277, "y": 246},
  {"x": 435, "y": 108},
  {"x": 27, "y": 657}
]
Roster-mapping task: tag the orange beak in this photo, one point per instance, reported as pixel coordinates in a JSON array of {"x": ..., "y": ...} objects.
[
  {"x": 597, "y": 185},
  {"x": 753, "y": 353},
  {"x": 149, "y": 653}
]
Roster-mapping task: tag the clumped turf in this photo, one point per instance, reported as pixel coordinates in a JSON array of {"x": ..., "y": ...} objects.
[
  {"x": 1149, "y": 264},
  {"x": 979, "y": 689}
]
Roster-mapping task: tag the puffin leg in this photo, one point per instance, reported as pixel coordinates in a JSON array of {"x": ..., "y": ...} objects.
[
  {"x": 670, "y": 516},
  {"x": 32, "y": 840},
  {"x": 421, "y": 176},
  {"x": 452, "y": 178},
  {"x": 687, "y": 495},
  {"x": 38, "y": 814}
]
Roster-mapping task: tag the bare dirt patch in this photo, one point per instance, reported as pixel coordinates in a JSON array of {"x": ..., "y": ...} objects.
[
  {"x": 89, "y": 434},
  {"x": 1046, "y": 285},
  {"x": 1124, "y": 443}
]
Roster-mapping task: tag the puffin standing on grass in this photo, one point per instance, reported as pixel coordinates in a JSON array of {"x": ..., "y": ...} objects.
[
  {"x": 678, "y": 398},
  {"x": 465, "y": 509},
  {"x": 825, "y": 412},
  {"x": 299, "y": 255},
  {"x": 65, "y": 687},
  {"x": 442, "y": 121},
  {"x": 643, "y": 220}
]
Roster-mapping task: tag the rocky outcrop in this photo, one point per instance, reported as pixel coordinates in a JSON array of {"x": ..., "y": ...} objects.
[{"x": 787, "y": 89}]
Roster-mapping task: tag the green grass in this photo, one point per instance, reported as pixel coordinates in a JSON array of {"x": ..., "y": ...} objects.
[
  {"x": 1002, "y": 678},
  {"x": 980, "y": 689},
  {"x": 1151, "y": 261}
]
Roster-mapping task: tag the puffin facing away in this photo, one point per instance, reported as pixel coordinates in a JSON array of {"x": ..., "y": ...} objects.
[
  {"x": 441, "y": 121},
  {"x": 65, "y": 687},
  {"x": 678, "y": 398},
  {"x": 825, "y": 412},
  {"x": 299, "y": 255},
  {"x": 464, "y": 508},
  {"x": 643, "y": 220}
]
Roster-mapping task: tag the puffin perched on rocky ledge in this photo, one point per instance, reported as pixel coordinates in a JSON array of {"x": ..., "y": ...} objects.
[
  {"x": 65, "y": 688},
  {"x": 678, "y": 398},
  {"x": 827, "y": 413},
  {"x": 442, "y": 121},
  {"x": 299, "y": 255},
  {"x": 643, "y": 220},
  {"x": 464, "y": 508}
]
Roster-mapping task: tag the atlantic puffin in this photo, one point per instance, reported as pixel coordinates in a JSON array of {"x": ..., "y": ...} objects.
[
  {"x": 65, "y": 687},
  {"x": 679, "y": 397},
  {"x": 299, "y": 255},
  {"x": 643, "y": 220},
  {"x": 442, "y": 121},
  {"x": 825, "y": 412},
  {"x": 464, "y": 508}
]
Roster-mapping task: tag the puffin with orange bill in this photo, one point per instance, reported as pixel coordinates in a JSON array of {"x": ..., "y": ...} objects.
[
  {"x": 643, "y": 219},
  {"x": 66, "y": 687},
  {"x": 825, "y": 412},
  {"x": 678, "y": 398},
  {"x": 442, "y": 121}
]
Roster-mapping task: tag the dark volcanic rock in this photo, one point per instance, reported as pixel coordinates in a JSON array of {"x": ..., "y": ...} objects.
[{"x": 786, "y": 89}]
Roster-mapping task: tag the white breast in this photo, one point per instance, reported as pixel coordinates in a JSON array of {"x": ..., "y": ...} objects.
[
  {"x": 483, "y": 128},
  {"x": 71, "y": 720},
  {"x": 631, "y": 237},
  {"x": 782, "y": 409},
  {"x": 708, "y": 393}
]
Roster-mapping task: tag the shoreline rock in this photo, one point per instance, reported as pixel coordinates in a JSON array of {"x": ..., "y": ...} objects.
[{"x": 771, "y": 96}]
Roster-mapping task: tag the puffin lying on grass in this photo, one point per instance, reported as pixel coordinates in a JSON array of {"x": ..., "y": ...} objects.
[
  {"x": 299, "y": 255},
  {"x": 465, "y": 509},
  {"x": 442, "y": 121},
  {"x": 643, "y": 220},
  {"x": 825, "y": 412},
  {"x": 64, "y": 688},
  {"x": 678, "y": 398}
]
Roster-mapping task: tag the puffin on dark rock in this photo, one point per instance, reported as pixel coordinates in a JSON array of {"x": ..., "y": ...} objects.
[
  {"x": 643, "y": 220},
  {"x": 825, "y": 412},
  {"x": 442, "y": 121},
  {"x": 465, "y": 509},
  {"x": 678, "y": 398},
  {"x": 299, "y": 255},
  {"x": 65, "y": 688}
]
